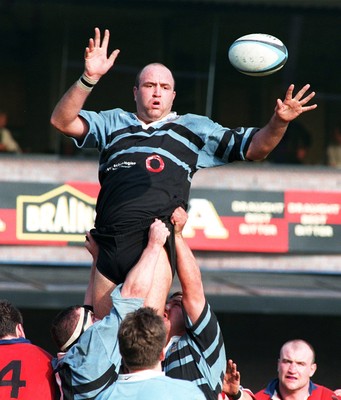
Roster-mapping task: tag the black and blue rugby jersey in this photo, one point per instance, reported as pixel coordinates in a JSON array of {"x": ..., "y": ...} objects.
[
  {"x": 146, "y": 170},
  {"x": 199, "y": 355}
]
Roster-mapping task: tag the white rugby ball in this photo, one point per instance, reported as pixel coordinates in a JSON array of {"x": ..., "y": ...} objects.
[{"x": 258, "y": 54}]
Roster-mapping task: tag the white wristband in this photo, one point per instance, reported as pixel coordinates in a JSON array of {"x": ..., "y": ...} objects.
[{"x": 86, "y": 83}]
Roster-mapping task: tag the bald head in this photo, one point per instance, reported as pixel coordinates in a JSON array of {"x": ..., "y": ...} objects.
[
  {"x": 298, "y": 346},
  {"x": 151, "y": 66}
]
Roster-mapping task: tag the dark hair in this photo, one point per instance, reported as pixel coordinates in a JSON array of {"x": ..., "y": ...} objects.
[
  {"x": 142, "y": 337},
  {"x": 10, "y": 317},
  {"x": 64, "y": 324},
  {"x": 138, "y": 76}
]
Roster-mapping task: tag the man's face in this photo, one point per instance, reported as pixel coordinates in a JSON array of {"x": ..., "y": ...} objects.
[
  {"x": 155, "y": 94},
  {"x": 173, "y": 317},
  {"x": 295, "y": 367}
]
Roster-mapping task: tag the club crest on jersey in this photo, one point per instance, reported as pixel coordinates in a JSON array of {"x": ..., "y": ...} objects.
[
  {"x": 155, "y": 163},
  {"x": 173, "y": 348}
]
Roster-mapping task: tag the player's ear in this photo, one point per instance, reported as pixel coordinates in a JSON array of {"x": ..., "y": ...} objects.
[
  {"x": 135, "y": 89},
  {"x": 163, "y": 354},
  {"x": 20, "y": 331},
  {"x": 312, "y": 369}
]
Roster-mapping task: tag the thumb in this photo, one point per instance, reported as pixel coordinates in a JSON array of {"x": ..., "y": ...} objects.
[{"x": 114, "y": 55}]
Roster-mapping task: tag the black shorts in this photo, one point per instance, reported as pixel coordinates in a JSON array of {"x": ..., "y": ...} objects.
[{"x": 120, "y": 249}]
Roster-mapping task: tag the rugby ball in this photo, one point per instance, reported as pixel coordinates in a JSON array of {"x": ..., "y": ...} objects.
[{"x": 258, "y": 54}]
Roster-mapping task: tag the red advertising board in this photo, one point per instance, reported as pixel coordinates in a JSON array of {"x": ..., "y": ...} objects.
[
  {"x": 46, "y": 214},
  {"x": 219, "y": 220}
]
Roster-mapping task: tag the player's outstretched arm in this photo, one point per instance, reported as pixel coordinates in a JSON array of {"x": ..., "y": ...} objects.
[
  {"x": 139, "y": 279},
  {"x": 92, "y": 247},
  {"x": 268, "y": 137},
  {"x": 193, "y": 295},
  {"x": 65, "y": 115}
]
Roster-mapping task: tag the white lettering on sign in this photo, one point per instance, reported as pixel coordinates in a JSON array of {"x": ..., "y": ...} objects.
[
  {"x": 314, "y": 218},
  {"x": 203, "y": 215},
  {"x": 314, "y": 230},
  {"x": 258, "y": 229},
  {"x": 257, "y": 207},
  {"x": 311, "y": 208},
  {"x": 311, "y": 219},
  {"x": 256, "y": 218},
  {"x": 69, "y": 215}
]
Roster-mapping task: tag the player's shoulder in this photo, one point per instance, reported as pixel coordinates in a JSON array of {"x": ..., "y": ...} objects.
[
  {"x": 117, "y": 113},
  {"x": 28, "y": 354},
  {"x": 37, "y": 351},
  {"x": 182, "y": 388},
  {"x": 23, "y": 345},
  {"x": 261, "y": 395},
  {"x": 196, "y": 123},
  {"x": 193, "y": 117},
  {"x": 321, "y": 390}
]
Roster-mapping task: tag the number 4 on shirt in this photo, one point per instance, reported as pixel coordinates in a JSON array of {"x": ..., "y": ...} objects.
[{"x": 15, "y": 383}]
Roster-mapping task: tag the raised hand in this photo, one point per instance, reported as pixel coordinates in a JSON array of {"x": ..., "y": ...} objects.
[
  {"x": 231, "y": 383},
  {"x": 292, "y": 106},
  {"x": 91, "y": 245},
  {"x": 97, "y": 62},
  {"x": 179, "y": 219}
]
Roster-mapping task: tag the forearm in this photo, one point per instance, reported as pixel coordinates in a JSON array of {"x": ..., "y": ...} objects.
[
  {"x": 189, "y": 275},
  {"x": 161, "y": 284},
  {"x": 88, "y": 297},
  {"x": 266, "y": 139},
  {"x": 65, "y": 116},
  {"x": 140, "y": 277}
]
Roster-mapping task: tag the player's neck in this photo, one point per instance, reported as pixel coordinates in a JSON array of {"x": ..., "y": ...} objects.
[
  {"x": 299, "y": 394},
  {"x": 9, "y": 337},
  {"x": 156, "y": 368}
]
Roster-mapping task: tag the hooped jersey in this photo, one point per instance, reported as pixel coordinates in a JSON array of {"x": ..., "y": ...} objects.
[
  {"x": 147, "y": 170},
  {"x": 199, "y": 355}
]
